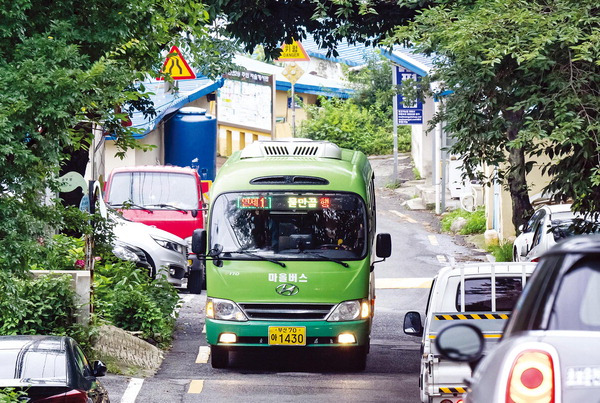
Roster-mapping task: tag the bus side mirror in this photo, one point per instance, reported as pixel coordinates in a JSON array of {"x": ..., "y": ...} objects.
[
  {"x": 199, "y": 242},
  {"x": 383, "y": 246}
]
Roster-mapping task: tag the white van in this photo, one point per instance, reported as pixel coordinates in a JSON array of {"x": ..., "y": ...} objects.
[{"x": 482, "y": 294}]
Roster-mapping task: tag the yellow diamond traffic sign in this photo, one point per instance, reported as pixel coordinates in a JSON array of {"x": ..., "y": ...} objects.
[{"x": 292, "y": 72}]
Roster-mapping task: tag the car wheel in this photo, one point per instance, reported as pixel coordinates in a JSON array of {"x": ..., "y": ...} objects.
[{"x": 219, "y": 357}]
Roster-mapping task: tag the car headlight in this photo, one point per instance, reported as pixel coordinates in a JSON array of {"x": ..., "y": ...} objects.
[
  {"x": 174, "y": 246},
  {"x": 125, "y": 252},
  {"x": 224, "y": 309},
  {"x": 350, "y": 310}
]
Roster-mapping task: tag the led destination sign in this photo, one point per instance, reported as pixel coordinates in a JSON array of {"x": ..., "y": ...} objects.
[{"x": 284, "y": 202}]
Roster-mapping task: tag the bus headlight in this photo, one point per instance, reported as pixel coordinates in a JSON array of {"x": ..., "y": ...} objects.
[
  {"x": 350, "y": 310},
  {"x": 224, "y": 309}
]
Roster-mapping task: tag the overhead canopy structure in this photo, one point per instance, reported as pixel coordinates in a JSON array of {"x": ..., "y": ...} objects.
[
  {"x": 356, "y": 55},
  {"x": 169, "y": 102}
]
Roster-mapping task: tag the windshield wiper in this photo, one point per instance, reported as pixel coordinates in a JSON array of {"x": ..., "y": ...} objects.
[
  {"x": 331, "y": 259},
  {"x": 261, "y": 257},
  {"x": 163, "y": 205},
  {"x": 127, "y": 205}
]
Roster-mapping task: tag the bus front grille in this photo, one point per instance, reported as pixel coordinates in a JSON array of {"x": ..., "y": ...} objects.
[{"x": 286, "y": 311}]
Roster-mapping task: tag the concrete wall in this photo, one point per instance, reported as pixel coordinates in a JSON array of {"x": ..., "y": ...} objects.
[
  {"x": 130, "y": 353},
  {"x": 422, "y": 141}
]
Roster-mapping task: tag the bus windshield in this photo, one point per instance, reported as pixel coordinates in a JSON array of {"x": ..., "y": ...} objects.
[
  {"x": 154, "y": 190},
  {"x": 289, "y": 225}
]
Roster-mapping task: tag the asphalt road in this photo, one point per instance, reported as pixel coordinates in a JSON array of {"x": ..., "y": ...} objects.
[{"x": 402, "y": 284}]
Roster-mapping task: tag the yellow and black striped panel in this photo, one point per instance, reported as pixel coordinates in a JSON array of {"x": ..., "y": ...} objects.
[
  {"x": 465, "y": 316},
  {"x": 453, "y": 390}
]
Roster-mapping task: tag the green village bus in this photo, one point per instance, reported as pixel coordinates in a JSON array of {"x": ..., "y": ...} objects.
[{"x": 289, "y": 250}]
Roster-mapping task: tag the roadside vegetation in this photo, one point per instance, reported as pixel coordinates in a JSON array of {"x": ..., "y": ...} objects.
[
  {"x": 501, "y": 252},
  {"x": 364, "y": 121},
  {"x": 124, "y": 295},
  {"x": 474, "y": 222}
]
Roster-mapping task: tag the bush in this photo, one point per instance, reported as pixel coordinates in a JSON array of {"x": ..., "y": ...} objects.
[
  {"x": 502, "y": 252},
  {"x": 128, "y": 298},
  {"x": 42, "y": 305},
  {"x": 476, "y": 222},
  {"x": 351, "y": 126},
  {"x": 10, "y": 395}
]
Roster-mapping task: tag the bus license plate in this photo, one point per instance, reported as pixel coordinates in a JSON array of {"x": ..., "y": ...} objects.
[{"x": 287, "y": 335}]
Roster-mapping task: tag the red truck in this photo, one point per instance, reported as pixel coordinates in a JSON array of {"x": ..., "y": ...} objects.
[{"x": 168, "y": 197}]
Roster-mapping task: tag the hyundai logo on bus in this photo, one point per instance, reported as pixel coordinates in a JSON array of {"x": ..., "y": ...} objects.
[{"x": 287, "y": 289}]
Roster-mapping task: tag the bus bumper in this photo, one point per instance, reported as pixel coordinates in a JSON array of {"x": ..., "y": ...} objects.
[{"x": 256, "y": 333}]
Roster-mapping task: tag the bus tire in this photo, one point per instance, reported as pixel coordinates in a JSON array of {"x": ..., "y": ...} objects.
[
  {"x": 219, "y": 357},
  {"x": 356, "y": 358},
  {"x": 195, "y": 281}
]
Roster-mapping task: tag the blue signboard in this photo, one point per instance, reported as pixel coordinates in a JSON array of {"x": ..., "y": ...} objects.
[{"x": 407, "y": 113}]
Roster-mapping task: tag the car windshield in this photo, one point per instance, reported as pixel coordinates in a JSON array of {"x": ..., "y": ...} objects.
[
  {"x": 289, "y": 225},
  {"x": 564, "y": 227},
  {"x": 578, "y": 299},
  {"x": 153, "y": 190}
]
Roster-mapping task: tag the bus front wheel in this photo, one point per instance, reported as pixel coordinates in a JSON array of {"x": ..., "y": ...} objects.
[
  {"x": 219, "y": 357},
  {"x": 356, "y": 358}
]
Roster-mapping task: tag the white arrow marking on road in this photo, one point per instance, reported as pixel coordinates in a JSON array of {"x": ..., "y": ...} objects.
[
  {"x": 404, "y": 216},
  {"x": 203, "y": 354},
  {"x": 394, "y": 283},
  {"x": 196, "y": 386},
  {"x": 133, "y": 388}
]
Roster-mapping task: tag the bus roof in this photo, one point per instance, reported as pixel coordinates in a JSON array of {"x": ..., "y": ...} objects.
[{"x": 346, "y": 170}]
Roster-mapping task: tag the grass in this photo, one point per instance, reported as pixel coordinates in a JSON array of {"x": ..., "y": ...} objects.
[
  {"x": 476, "y": 222},
  {"x": 502, "y": 252},
  {"x": 416, "y": 173},
  {"x": 393, "y": 185}
]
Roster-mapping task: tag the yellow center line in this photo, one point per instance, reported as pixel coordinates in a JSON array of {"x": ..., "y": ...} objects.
[
  {"x": 196, "y": 386},
  {"x": 404, "y": 217}
]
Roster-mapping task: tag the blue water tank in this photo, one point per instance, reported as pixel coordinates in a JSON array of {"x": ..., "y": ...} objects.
[{"x": 191, "y": 140}]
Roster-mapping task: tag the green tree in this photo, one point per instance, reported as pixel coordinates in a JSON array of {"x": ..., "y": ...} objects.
[
  {"x": 525, "y": 77},
  {"x": 270, "y": 22},
  {"x": 373, "y": 84},
  {"x": 65, "y": 66}
]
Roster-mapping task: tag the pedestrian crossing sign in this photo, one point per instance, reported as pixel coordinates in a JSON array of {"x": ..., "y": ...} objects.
[
  {"x": 293, "y": 52},
  {"x": 176, "y": 66}
]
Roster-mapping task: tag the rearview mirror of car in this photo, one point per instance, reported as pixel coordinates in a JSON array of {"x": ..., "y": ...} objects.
[{"x": 461, "y": 342}]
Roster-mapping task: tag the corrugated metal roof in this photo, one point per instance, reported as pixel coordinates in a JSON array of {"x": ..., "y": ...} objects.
[
  {"x": 166, "y": 103},
  {"x": 356, "y": 55}
]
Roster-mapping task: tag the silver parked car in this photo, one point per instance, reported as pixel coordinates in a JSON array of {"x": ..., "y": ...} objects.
[
  {"x": 161, "y": 251},
  {"x": 550, "y": 351}
]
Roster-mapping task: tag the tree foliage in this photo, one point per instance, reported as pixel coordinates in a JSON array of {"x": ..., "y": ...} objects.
[
  {"x": 270, "y": 22},
  {"x": 525, "y": 77},
  {"x": 351, "y": 126},
  {"x": 67, "y": 62}
]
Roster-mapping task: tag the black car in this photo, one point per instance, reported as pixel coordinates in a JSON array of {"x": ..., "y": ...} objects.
[{"x": 50, "y": 369}]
